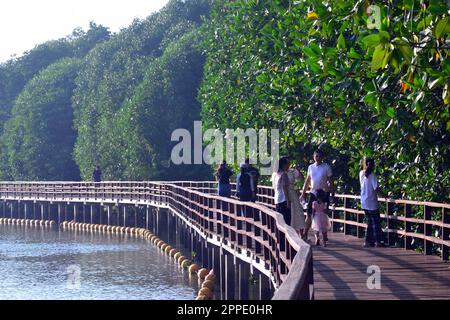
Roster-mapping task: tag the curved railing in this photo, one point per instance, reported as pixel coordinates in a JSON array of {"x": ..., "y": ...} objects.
[
  {"x": 248, "y": 228},
  {"x": 406, "y": 223}
]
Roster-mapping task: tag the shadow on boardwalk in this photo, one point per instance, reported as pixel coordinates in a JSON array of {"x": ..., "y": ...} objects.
[{"x": 340, "y": 272}]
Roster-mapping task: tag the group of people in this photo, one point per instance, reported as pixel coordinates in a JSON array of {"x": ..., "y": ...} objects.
[
  {"x": 246, "y": 181},
  {"x": 288, "y": 201},
  {"x": 319, "y": 180}
]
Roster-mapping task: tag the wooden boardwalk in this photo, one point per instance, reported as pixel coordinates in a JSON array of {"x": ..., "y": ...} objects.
[{"x": 340, "y": 272}]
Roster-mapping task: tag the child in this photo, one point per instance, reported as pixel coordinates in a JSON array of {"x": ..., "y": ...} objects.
[{"x": 320, "y": 222}]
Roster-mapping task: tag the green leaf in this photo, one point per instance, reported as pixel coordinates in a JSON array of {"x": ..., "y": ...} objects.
[
  {"x": 378, "y": 57},
  {"x": 315, "y": 48},
  {"x": 384, "y": 37},
  {"x": 309, "y": 52},
  {"x": 408, "y": 4},
  {"x": 314, "y": 66},
  {"x": 386, "y": 58},
  {"x": 261, "y": 78},
  {"x": 404, "y": 48},
  {"x": 353, "y": 54},
  {"x": 370, "y": 99},
  {"x": 424, "y": 23},
  {"x": 298, "y": 43},
  {"x": 395, "y": 64},
  {"x": 372, "y": 40},
  {"x": 369, "y": 86},
  {"x": 368, "y": 152},
  {"x": 442, "y": 27},
  {"x": 390, "y": 112},
  {"x": 437, "y": 7},
  {"x": 341, "y": 42}
]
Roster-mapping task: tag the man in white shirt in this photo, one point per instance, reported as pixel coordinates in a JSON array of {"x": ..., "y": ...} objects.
[{"x": 320, "y": 176}]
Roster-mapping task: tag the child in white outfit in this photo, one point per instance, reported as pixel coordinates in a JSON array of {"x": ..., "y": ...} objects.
[{"x": 321, "y": 222}]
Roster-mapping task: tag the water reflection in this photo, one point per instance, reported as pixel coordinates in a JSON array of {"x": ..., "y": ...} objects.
[{"x": 38, "y": 263}]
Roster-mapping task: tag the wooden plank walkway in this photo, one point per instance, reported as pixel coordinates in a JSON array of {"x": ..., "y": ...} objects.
[{"x": 340, "y": 272}]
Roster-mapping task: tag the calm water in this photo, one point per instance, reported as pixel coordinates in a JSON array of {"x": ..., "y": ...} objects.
[{"x": 37, "y": 263}]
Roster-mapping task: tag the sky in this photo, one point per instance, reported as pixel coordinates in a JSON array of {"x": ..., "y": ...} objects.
[{"x": 26, "y": 23}]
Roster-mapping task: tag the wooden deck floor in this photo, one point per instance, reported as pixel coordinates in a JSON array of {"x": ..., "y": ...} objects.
[{"x": 340, "y": 272}]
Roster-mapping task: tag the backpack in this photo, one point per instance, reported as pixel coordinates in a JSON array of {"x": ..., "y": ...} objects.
[{"x": 245, "y": 187}]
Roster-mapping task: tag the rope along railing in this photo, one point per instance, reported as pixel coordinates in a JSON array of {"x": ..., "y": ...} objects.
[
  {"x": 249, "y": 228},
  {"x": 420, "y": 225}
]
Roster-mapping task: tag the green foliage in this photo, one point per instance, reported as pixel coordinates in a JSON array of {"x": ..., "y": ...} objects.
[
  {"x": 335, "y": 83},
  {"x": 17, "y": 72},
  {"x": 134, "y": 89},
  {"x": 115, "y": 105},
  {"x": 39, "y": 137},
  {"x": 164, "y": 101}
]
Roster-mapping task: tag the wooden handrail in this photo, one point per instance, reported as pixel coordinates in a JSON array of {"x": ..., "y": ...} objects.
[
  {"x": 348, "y": 218},
  {"x": 255, "y": 228}
]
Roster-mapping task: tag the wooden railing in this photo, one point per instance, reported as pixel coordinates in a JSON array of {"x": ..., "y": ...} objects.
[
  {"x": 264, "y": 193},
  {"x": 412, "y": 224},
  {"x": 244, "y": 226}
]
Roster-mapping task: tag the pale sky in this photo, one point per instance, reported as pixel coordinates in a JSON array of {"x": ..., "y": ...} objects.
[{"x": 26, "y": 23}]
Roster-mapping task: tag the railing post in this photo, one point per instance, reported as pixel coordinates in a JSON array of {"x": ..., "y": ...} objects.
[
  {"x": 408, "y": 227},
  {"x": 92, "y": 213},
  {"x": 360, "y": 231},
  {"x": 244, "y": 275},
  {"x": 391, "y": 224},
  {"x": 427, "y": 230},
  {"x": 146, "y": 217},
  {"x": 346, "y": 205},
  {"x": 334, "y": 225},
  {"x": 445, "y": 232},
  {"x": 125, "y": 216},
  {"x": 264, "y": 287}
]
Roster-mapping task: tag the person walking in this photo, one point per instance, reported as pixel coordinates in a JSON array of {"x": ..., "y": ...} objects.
[
  {"x": 297, "y": 215},
  {"x": 280, "y": 184},
  {"x": 224, "y": 174},
  {"x": 320, "y": 176},
  {"x": 97, "y": 174},
  {"x": 96, "y": 178},
  {"x": 370, "y": 205},
  {"x": 243, "y": 184},
  {"x": 254, "y": 176}
]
